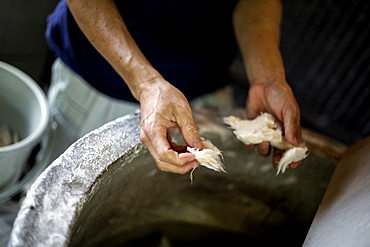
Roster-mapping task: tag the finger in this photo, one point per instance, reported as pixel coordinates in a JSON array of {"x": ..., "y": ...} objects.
[
  {"x": 167, "y": 167},
  {"x": 295, "y": 164},
  {"x": 186, "y": 161},
  {"x": 277, "y": 154},
  {"x": 263, "y": 148},
  {"x": 292, "y": 127},
  {"x": 190, "y": 132},
  {"x": 250, "y": 146},
  {"x": 157, "y": 143}
]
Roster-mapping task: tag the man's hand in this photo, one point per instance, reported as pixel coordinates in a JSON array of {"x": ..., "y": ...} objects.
[
  {"x": 162, "y": 107},
  {"x": 277, "y": 99}
]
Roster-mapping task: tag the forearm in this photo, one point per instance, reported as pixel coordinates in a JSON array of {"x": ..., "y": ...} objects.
[
  {"x": 104, "y": 27},
  {"x": 257, "y": 29},
  {"x": 162, "y": 105}
]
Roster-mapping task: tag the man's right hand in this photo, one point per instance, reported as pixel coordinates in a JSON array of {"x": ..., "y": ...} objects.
[{"x": 162, "y": 107}]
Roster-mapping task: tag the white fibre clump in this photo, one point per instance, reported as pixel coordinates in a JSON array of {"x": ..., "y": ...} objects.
[
  {"x": 291, "y": 155},
  {"x": 210, "y": 156},
  {"x": 264, "y": 128}
]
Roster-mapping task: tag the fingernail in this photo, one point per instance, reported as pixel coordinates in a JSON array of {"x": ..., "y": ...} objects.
[
  {"x": 295, "y": 140},
  {"x": 197, "y": 144}
]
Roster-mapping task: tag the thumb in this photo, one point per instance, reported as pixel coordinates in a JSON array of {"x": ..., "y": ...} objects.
[{"x": 292, "y": 127}]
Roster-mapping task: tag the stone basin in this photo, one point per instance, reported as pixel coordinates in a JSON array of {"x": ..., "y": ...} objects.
[{"x": 106, "y": 190}]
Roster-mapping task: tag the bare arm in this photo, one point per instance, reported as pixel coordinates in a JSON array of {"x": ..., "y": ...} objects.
[
  {"x": 257, "y": 28},
  {"x": 102, "y": 24},
  {"x": 162, "y": 105}
]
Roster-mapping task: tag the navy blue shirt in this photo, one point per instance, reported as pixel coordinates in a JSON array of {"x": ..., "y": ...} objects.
[{"x": 190, "y": 42}]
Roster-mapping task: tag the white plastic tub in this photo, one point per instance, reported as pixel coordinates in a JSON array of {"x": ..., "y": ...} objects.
[{"x": 23, "y": 107}]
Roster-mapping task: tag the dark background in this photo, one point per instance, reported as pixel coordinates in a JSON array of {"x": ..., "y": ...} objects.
[{"x": 326, "y": 50}]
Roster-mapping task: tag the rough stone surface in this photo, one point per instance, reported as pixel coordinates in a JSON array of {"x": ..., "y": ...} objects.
[{"x": 56, "y": 198}]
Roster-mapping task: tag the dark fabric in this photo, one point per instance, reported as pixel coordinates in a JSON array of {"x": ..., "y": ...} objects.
[
  {"x": 190, "y": 42},
  {"x": 325, "y": 47}
]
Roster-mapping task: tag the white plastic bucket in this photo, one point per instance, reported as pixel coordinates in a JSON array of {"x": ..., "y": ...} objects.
[{"x": 24, "y": 108}]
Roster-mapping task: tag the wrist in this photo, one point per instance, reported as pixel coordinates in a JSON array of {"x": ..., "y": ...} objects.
[
  {"x": 267, "y": 77},
  {"x": 138, "y": 74},
  {"x": 149, "y": 86}
]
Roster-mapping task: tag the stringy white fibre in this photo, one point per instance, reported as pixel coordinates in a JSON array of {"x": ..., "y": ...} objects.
[{"x": 210, "y": 156}]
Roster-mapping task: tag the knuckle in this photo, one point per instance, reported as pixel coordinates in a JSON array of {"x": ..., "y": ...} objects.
[
  {"x": 161, "y": 156},
  {"x": 147, "y": 126},
  {"x": 162, "y": 167},
  {"x": 143, "y": 137},
  {"x": 190, "y": 128},
  {"x": 182, "y": 172}
]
